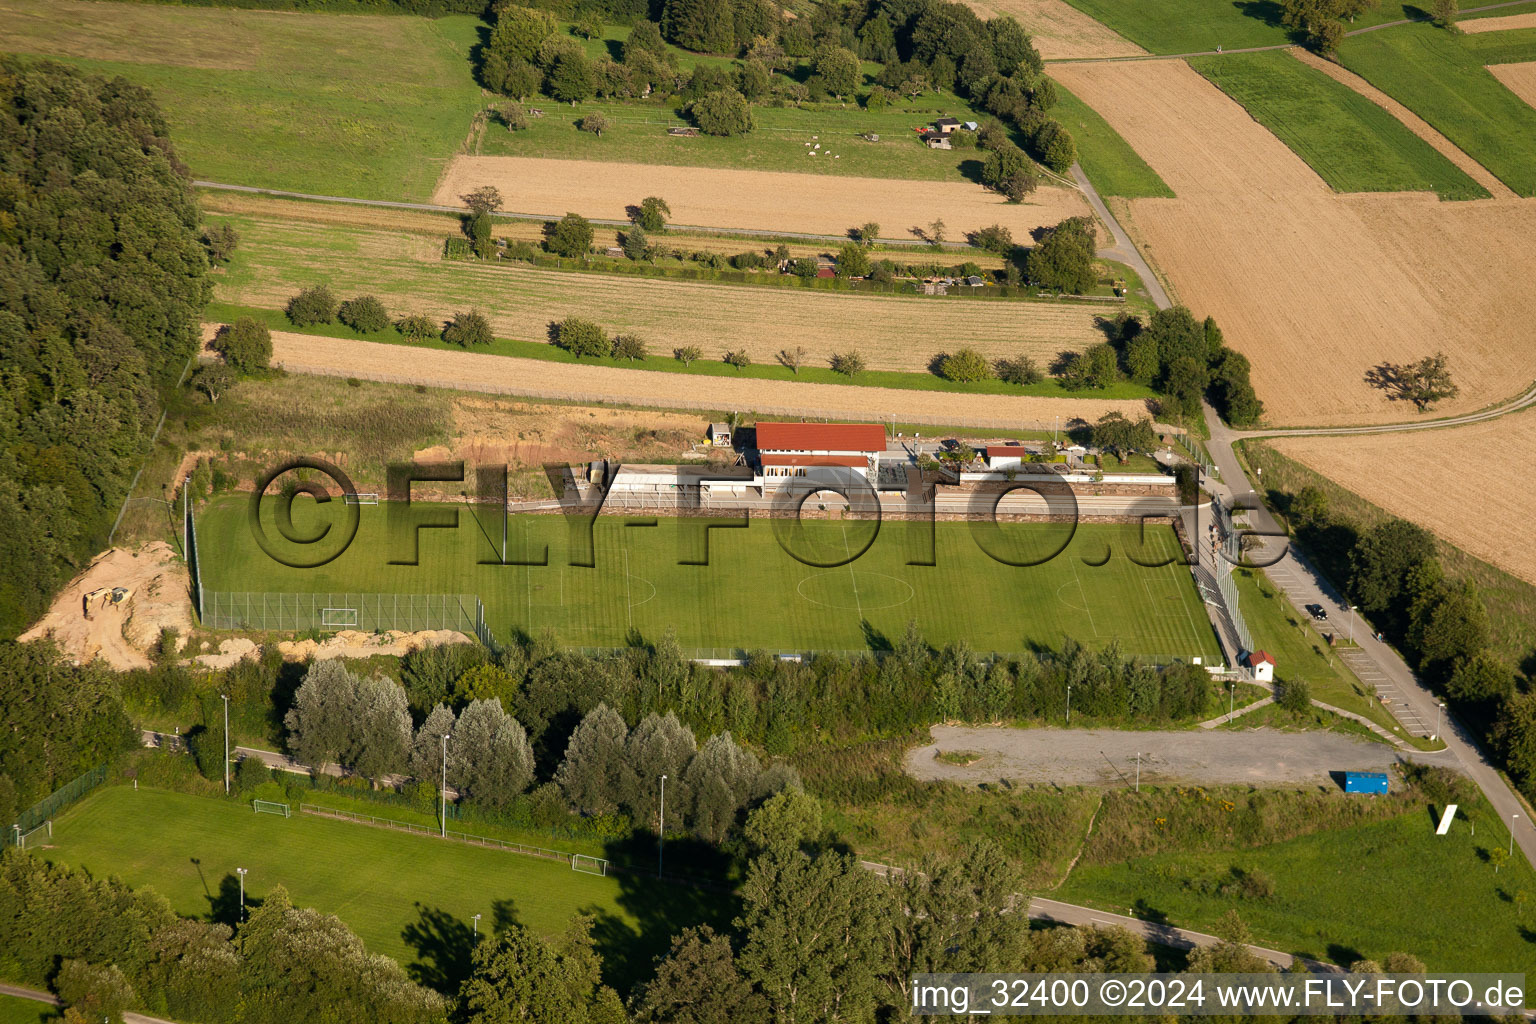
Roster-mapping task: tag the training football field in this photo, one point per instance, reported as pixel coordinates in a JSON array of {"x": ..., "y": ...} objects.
[{"x": 771, "y": 584}]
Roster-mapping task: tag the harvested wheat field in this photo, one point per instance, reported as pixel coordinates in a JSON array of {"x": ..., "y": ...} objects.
[
  {"x": 1473, "y": 26},
  {"x": 1317, "y": 288},
  {"x": 1519, "y": 79},
  {"x": 1413, "y": 122},
  {"x": 713, "y": 197},
  {"x": 280, "y": 258},
  {"x": 1060, "y": 31},
  {"x": 469, "y": 371},
  {"x": 1424, "y": 477}
]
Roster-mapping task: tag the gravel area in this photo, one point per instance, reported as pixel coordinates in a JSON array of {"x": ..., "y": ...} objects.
[{"x": 1078, "y": 757}]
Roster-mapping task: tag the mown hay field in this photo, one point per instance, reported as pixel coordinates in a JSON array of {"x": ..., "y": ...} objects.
[
  {"x": 1428, "y": 477},
  {"x": 1060, "y": 31},
  {"x": 1519, "y": 79},
  {"x": 356, "y": 105},
  {"x": 1317, "y": 288},
  {"x": 764, "y": 200},
  {"x": 278, "y": 258},
  {"x": 1477, "y": 26}
]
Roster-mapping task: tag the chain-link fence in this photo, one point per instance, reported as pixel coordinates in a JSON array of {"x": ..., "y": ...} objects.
[
  {"x": 371, "y": 613},
  {"x": 49, "y": 806}
]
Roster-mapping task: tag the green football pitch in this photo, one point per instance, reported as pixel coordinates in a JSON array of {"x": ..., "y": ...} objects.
[
  {"x": 403, "y": 894},
  {"x": 757, "y": 590}
]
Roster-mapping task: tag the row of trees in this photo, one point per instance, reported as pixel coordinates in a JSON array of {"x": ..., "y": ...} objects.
[
  {"x": 366, "y": 314},
  {"x": 364, "y": 723},
  {"x": 1186, "y": 359},
  {"x": 105, "y": 278},
  {"x": 123, "y": 949}
]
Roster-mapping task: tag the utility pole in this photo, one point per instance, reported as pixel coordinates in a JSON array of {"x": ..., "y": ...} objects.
[
  {"x": 1512, "y": 819},
  {"x": 1069, "y": 703},
  {"x": 241, "y": 872},
  {"x": 1351, "y": 625},
  {"x": 1439, "y": 713},
  {"x": 477, "y": 926},
  {"x": 444, "y": 790},
  {"x": 1138, "y": 771},
  {"x": 661, "y": 829},
  {"x": 226, "y": 742}
]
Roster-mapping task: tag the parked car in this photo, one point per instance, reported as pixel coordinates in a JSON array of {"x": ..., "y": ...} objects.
[{"x": 1317, "y": 611}]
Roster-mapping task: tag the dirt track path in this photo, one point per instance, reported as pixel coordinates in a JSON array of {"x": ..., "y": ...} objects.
[
  {"x": 1091, "y": 757},
  {"x": 471, "y": 371},
  {"x": 1413, "y": 122}
]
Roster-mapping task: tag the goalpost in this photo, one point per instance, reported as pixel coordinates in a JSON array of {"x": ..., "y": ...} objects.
[
  {"x": 271, "y": 807},
  {"x": 29, "y": 840},
  {"x": 589, "y": 865},
  {"x": 361, "y": 498}
]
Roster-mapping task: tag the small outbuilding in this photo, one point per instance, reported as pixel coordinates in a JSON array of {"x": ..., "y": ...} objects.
[
  {"x": 1262, "y": 664},
  {"x": 719, "y": 435},
  {"x": 937, "y": 141},
  {"x": 946, "y": 125},
  {"x": 1365, "y": 782}
]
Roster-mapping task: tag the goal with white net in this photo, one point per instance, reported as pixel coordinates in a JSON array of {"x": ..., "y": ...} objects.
[
  {"x": 36, "y": 837},
  {"x": 588, "y": 865},
  {"x": 271, "y": 807},
  {"x": 360, "y": 498}
]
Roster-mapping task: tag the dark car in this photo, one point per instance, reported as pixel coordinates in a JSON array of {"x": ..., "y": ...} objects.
[{"x": 1317, "y": 611}]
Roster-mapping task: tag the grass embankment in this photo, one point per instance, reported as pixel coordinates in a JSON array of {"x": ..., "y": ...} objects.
[
  {"x": 1303, "y": 654},
  {"x": 403, "y": 894},
  {"x": 360, "y": 105},
  {"x": 1356, "y": 877},
  {"x": 26, "y": 1011},
  {"x": 1109, "y": 161},
  {"x": 1353, "y": 144},
  {"x": 1442, "y": 78},
  {"x": 641, "y": 579}
]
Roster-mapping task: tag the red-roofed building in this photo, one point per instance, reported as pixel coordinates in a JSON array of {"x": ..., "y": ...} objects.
[
  {"x": 1003, "y": 456},
  {"x": 1262, "y": 663},
  {"x": 827, "y": 449}
]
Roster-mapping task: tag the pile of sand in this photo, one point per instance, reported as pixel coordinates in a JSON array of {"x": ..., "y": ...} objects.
[
  {"x": 120, "y": 635},
  {"x": 351, "y": 643}
]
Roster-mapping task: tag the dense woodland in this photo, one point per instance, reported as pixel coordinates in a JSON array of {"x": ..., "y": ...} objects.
[{"x": 102, "y": 279}]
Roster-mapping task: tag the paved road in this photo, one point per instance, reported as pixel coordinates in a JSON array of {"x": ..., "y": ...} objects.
[
  {"x": 22, "y": 992},
  {"x": 1155, "y": 931},
  {"x": 1524, "y": 401},
  {"x": 1093, "y": 757},
  {"x": 1378, "y": 664},
  {"x": 1123, "y": 250},
  {"x": 1264, "y": 49}
]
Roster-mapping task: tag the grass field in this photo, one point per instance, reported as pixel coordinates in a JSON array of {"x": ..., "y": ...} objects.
[
  {"x": 358, "y": 105},
  {"x": 752, "y": 593},
  {"x": 387, "y": 886},
  {"x": 25, "y": 1011},
  {"x": 1347, "y": 894},
  {"x": 278, "y": 258},
  {"x": 1110, "y": 163},
  {"x": 1442, "y": 78},
  {"x": 1194, "y": 26},
  {"x": 1353, "y": 144}
]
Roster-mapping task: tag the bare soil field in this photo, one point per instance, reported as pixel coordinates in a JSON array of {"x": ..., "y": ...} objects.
[
  {"x": 468, "y": 371},
  {"x": 1060, "y": 31},
  {"x": 1317, "y": 288},
  {"x": 1472, "y": 26},
  {"x": 765, "y": 200},
  {"x": 438, "y": 225},
  {"x": 407, "y": 272},
  {"x": 1519, "y": 79},
  {"x": 1428, "y": 477},
  {"x": 1413, "y": 122}
]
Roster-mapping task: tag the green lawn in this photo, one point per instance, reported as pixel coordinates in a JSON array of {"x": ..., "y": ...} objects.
[
  {"x": 25, "y": 1011},
  {"x": 386, "y": 885},
  {"x": 1349, "y": 893},
  {"x": 358, "y": 105},
  {"x": 1354, "y": 145},
  {"x": 752, "y": 593},
  {"x": 1109, "y": 161},
  {"x": 1442, "y": 78},
  {"x": 1303, "y": 654}
]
